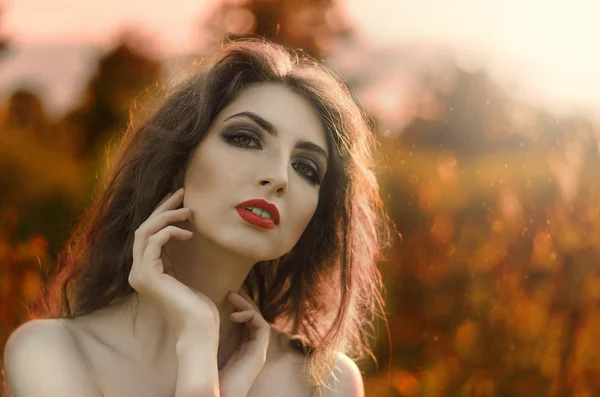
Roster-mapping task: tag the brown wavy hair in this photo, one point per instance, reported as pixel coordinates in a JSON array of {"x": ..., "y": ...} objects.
[{"x": 328, "y": 290}]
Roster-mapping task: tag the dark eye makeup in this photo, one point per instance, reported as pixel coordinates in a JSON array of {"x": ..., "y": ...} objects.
[
  {"x": 243, "y": 139},
  {"x": 246, "y": 138}
]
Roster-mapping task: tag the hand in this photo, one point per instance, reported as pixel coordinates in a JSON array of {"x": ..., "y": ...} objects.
[
  {"x": 239, "y": 372},
  {"x": 151, "y": 273}
]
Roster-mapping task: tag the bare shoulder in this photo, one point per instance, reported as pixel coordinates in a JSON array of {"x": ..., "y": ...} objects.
[
  {"x": 282, "y": 374},
  {"x": 42, "y": 358},
  {"x": 289, "y": 378},
  {"x": 286, "y": 372},
  {"x": 346, "y": 381}
]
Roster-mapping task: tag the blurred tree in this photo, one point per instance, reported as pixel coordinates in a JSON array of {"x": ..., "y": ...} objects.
[
  {"x": 467, "y": 115},
  {"x": 44, "y": 186},
  {"x": 496, "y": 202},
  {"x": 496, "y": 288},
  {"x": 36, "y": 164},
  {"x": 26, "y": 111},
  {"x": 310, "y": 25},
  {"x": 123, "y": 73}
]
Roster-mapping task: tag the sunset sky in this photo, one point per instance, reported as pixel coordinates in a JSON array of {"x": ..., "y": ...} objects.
[{"x": 548, "y": 47}]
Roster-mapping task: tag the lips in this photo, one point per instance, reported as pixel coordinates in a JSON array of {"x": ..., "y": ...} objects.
[{"x": 256, "y": 220}]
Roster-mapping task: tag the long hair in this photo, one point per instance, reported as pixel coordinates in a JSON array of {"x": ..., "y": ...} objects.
[{"x": 327, "y": 290}]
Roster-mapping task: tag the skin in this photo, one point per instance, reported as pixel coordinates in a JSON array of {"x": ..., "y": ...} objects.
[
  {"x": 223, "y": 171},
  {"x": 101, "y": 351}
]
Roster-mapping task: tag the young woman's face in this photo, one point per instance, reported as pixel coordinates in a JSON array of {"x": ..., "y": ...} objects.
[{"x": 267, "y": 144}]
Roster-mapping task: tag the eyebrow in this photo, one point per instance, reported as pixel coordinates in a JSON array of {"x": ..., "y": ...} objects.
[{"x": 270, "y": 128}]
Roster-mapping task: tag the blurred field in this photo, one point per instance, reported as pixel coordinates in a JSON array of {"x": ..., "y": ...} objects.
[{"x": 493, "y": 285}]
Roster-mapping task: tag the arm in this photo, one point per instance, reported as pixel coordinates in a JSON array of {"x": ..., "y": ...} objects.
[
  {"x": 197, "y": 376},
  {"x": 41, "y": 359},
  {"x": 192, "y": 315},
  {"x": 349, "y": 383}
]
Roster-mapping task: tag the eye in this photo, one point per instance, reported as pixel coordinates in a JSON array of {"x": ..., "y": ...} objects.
[
  {"x": 243, "y": 139},
  {"x": 310, "y": 172}
]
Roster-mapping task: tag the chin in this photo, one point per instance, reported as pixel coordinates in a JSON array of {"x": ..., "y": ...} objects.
[
  {"x": 244, "y": 240},
  {"x": 257, "y": 253},
  {"x": 253, "y": 244}
]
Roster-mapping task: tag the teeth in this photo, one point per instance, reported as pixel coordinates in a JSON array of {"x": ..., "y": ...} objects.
[
  {"x": 265, "y": 215},
  {"x": 259, "y": 212}
]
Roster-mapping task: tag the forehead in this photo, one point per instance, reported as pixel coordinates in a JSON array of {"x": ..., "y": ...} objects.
[{"x": 289, "y": 112}]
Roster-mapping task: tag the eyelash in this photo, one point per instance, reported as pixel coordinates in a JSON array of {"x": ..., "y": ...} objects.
[{"x": 234, "y": 137}]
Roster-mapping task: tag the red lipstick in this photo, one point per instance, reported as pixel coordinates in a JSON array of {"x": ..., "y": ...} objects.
[{"x": 256, "y": 220}]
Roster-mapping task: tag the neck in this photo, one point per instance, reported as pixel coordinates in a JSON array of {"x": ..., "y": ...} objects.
[
  {"x": 204, "y": 267},
  {"x": 214, "y": 271}
]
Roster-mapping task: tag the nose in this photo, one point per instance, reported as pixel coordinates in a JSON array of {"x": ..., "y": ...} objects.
[{"x": 274, "y": 178}]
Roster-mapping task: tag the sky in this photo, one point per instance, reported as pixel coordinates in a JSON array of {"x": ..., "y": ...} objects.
[{"x": 549, "y": 47}]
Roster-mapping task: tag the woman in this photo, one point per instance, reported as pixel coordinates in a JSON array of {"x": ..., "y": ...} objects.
[{"x": 270, "y": 224}]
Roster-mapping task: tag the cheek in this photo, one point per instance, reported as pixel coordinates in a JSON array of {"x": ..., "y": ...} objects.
[
  {"x": 304, "y": 214},
  {"x": 202, "y": 178}
]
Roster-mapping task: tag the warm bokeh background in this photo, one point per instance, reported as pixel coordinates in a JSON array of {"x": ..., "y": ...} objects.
[{"x": 485, "y": 113}]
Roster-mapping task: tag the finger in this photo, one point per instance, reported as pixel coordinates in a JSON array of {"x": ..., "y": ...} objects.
[
  {"x": 170, "y": 197},
  {"x": 141, "y": 234},
  {"x": 170, "y": 201},
  {"x": 156, "y": 242},
  {"x": 153, "y": 225},
  {"x": 254, "y": 320},
  {"x": 171, "y": 193},
  {"x": 259, "y": 331},
  {"x": 247, "y": 297},
  {"x": 153, "y": 264},
  {"x": 168, "y": 265},
  {"x": 242, "y": 317},
  {"x": 241, "y": 303},
  {"x": 262, "y": 329}
]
